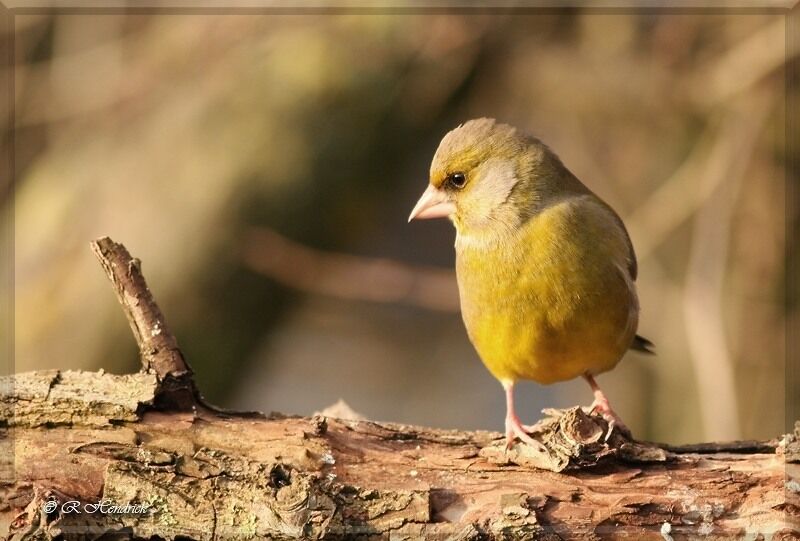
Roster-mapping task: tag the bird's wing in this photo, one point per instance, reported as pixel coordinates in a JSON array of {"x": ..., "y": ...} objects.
[
  {"x": 633, "y": 267},
  {"x": 640, "y": 343}
]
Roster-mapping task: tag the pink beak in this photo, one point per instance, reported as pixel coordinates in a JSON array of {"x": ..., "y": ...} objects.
[{"x": 434, "y": 203}]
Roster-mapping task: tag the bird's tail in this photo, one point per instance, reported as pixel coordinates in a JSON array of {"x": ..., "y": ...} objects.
[{"x": 640, "y": 343}]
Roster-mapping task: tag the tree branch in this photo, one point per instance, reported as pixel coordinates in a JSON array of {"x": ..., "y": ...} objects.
[
  {"x": 158, "y": 347},
  {"x": 328, "y": 273},
  {"x": 197, "y": 474}
]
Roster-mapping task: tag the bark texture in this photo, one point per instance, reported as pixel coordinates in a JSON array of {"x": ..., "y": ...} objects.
[{"x": 146, "y": 440}]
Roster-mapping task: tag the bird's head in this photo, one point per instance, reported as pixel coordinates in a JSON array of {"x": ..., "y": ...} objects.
[{"x": 488, "y": 177}]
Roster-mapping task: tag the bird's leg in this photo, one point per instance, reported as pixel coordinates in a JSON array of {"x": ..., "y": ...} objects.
[
  {"x": 514, "y": 428},
  {"x": 601, "y": 405}
]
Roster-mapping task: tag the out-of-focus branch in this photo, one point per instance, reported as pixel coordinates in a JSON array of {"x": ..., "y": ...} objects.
[
  {"x": 740, "y": 68},
  {"x": 679, "y": 197},
  {"x": 702, "y": 302},
  {"x": 347, "y": 276},
  {"x": 745, "y": 64}
]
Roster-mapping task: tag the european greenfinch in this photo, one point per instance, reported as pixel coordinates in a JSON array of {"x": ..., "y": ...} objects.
[{"x": 545, "y": 268}]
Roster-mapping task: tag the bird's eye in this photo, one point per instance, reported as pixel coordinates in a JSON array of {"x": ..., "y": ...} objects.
[{"x": 457, "y": 180}]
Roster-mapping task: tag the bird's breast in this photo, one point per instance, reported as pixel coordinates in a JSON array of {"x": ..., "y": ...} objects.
[{"x": 546, "y": 303}]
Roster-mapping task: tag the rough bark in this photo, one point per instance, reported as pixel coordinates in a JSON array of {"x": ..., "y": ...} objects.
[
  {"x": 207, "y": 474},
  {"x": 158, "y": 347}
]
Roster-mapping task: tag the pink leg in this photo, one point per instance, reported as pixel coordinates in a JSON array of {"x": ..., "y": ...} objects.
[
  {"x": 514, "y": 428},
  {"x": 602, "y": 406}
]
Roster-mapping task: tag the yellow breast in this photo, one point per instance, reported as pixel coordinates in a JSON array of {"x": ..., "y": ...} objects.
[{"x": 553, "y": 299}]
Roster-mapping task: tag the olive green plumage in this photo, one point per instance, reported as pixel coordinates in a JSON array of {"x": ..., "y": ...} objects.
[{"x": 545, "y": 268}]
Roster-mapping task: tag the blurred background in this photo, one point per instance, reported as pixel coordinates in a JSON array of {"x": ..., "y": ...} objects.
[{"x": 263, "y": 167}]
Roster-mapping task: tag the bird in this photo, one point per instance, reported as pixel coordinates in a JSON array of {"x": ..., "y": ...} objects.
[{"x": 545, "y": 269}]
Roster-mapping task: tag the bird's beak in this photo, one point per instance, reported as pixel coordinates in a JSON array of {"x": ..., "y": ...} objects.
[{"x": 434, "y": 203}]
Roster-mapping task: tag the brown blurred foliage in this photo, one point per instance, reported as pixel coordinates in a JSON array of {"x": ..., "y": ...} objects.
[{"x": 177, "y": 134}]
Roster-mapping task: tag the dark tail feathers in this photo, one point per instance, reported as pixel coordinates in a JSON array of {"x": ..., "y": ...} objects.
[{"x": 640, "y": 343}]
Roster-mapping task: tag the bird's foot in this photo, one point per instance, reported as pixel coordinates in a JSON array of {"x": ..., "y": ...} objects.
[
  {"x": 539, "y": 426},
  {"x": 515, "y": 430},
  {"x": 601, "y": 406}
]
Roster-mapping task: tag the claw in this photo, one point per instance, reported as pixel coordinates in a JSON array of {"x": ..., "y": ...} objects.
[
  {"x": 601, "y": 406},
  {"x": 515, "y": 430}
]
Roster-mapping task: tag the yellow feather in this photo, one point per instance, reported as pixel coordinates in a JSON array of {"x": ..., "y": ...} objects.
[
  {"x": 545, "y": 268},
  {"x": 553, "y": 299}
]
